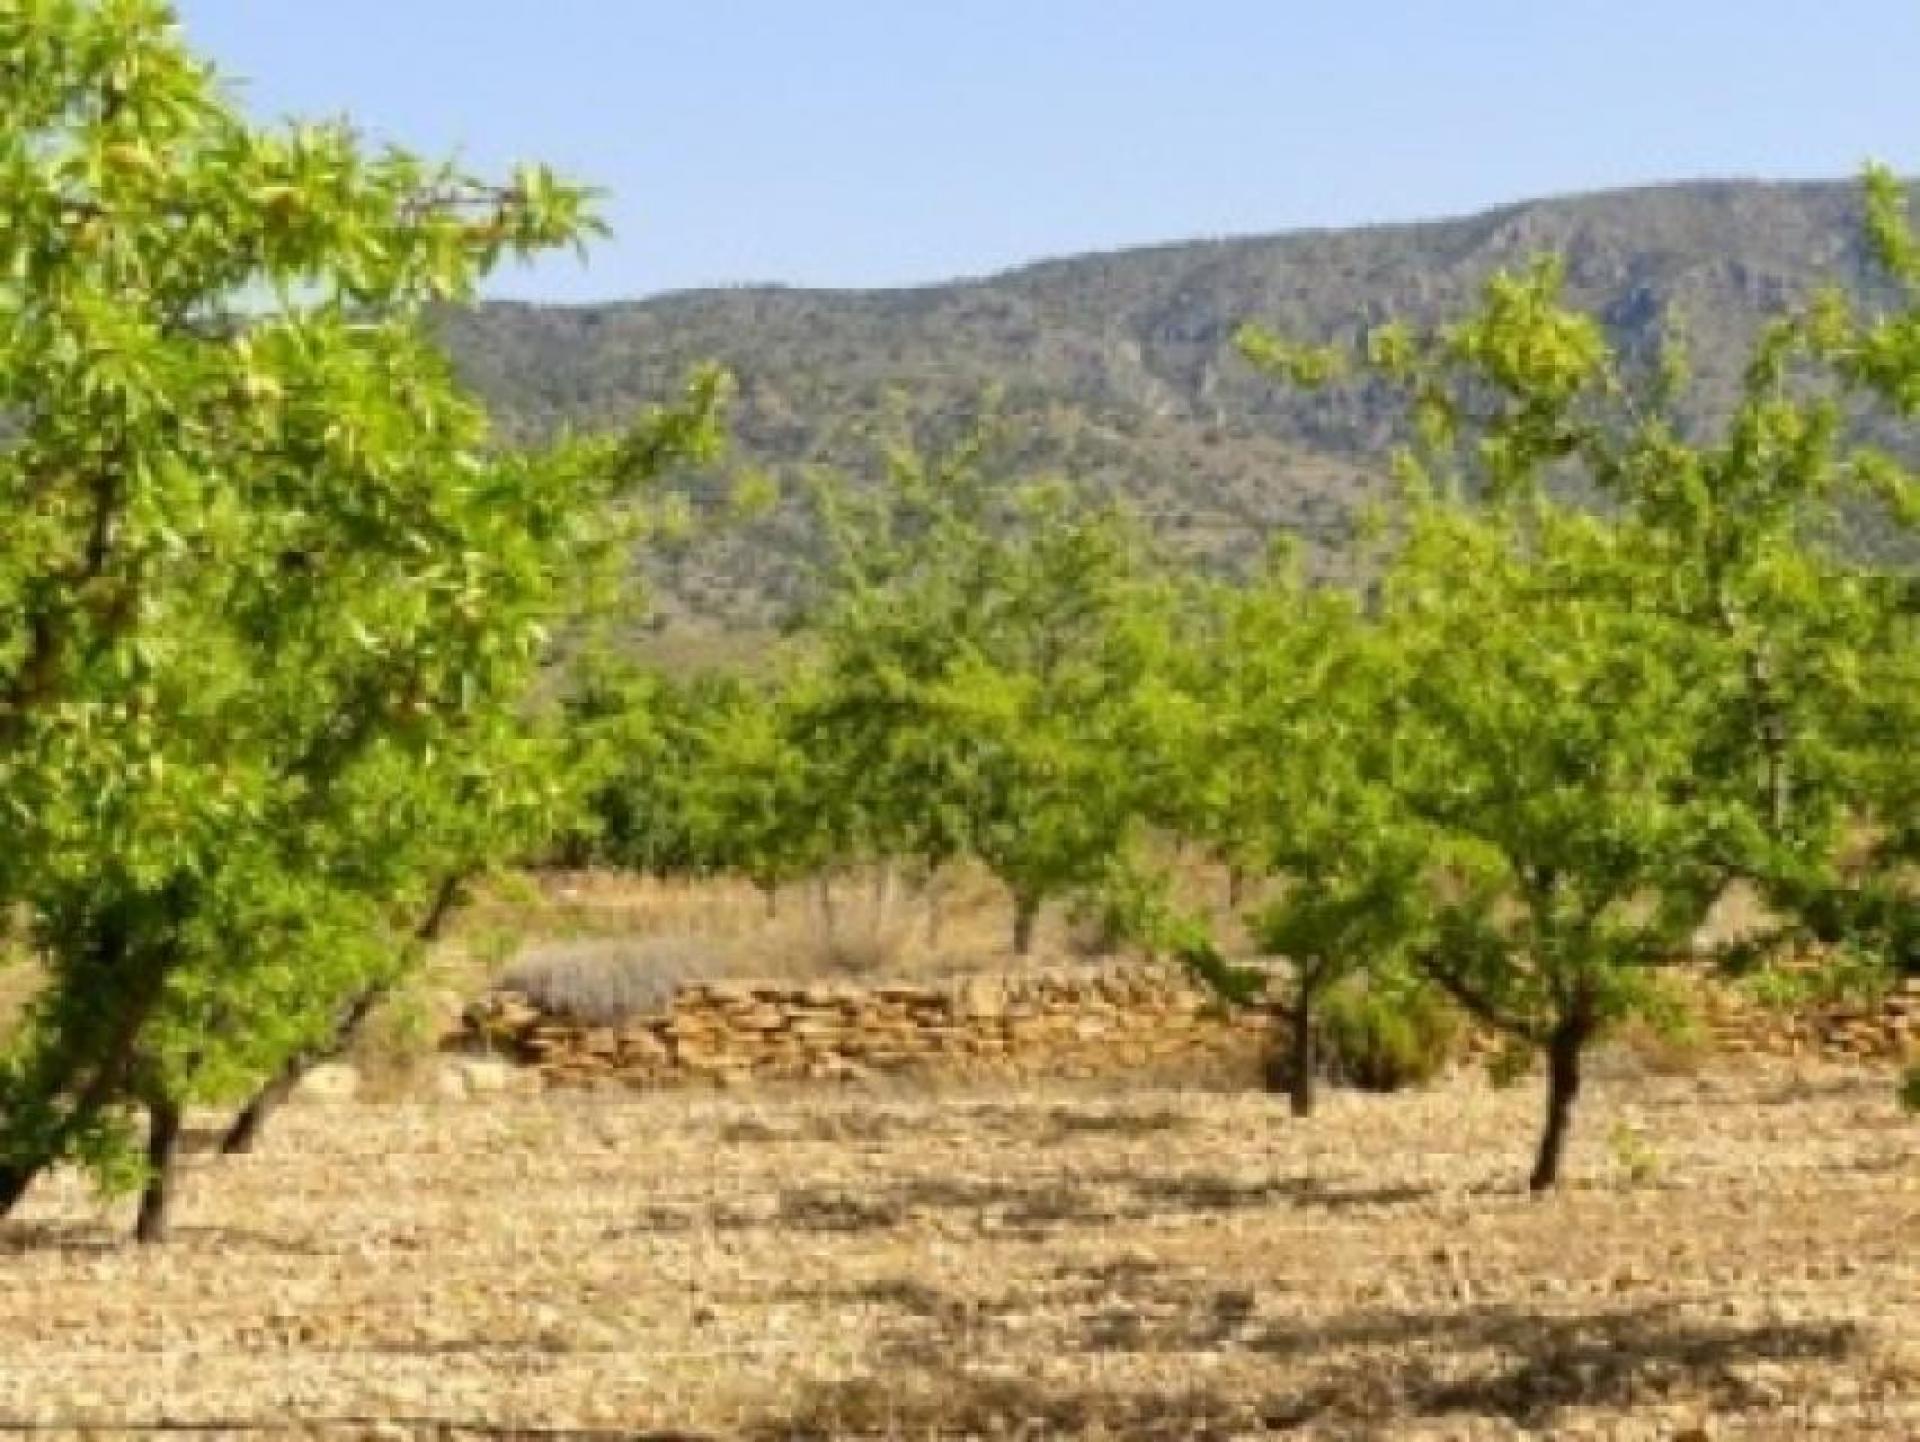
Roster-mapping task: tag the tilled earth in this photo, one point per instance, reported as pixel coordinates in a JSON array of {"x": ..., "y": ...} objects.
[{"x": 1737, "y": 1255}]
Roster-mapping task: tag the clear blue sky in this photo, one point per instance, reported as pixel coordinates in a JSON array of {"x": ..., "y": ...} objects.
[{"x": 882, "y": 142}]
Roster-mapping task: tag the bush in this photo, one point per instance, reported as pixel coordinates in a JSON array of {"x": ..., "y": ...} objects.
[
  {"x": 603, "y": 982},
  {"x": 1385, "y": 1033},
  {"x": 1660, "y": 1046}
]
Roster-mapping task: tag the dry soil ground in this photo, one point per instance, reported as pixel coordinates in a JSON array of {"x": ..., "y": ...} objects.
[{"x": 1739, "y": 1255}]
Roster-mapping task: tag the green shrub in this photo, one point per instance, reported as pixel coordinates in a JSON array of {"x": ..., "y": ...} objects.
[{"x": 1382, "y": 1033}]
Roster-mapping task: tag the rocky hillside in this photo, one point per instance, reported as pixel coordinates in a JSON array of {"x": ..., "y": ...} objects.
[{"x": 1117, "y": 367}]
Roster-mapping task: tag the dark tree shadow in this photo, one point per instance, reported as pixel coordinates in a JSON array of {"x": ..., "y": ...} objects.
[
  {"x": 943, "y": 1404},
  {"x": 1032, "y": 1208},
  {"x": 19, "y": 1238},
  {"x": 1413, "y": 1367},
  {"x": 1064, "y": 1124},
  {"x": 1225, "y": 1194},
  {"x": 999, "y": 1207},
  {"x": 1410, "y": 1364}
]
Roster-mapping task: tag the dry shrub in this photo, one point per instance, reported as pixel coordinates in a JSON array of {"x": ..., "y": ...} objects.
[
  {"x": 395, "y": 1051},
  {"x": 1640, "y": 1047},
  {"x": 1385, "y": 1033},
  {"x": 848, "y": 953},
  {"x": 959, "y": 924},
  {"x": 608, "y": 979}
]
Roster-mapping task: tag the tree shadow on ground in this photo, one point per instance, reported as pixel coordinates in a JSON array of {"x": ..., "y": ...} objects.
[
  {"x": 1357, "y": 1375},
  {"x": 942, "y": 1403},
  {"x": 1065, "y": 1123},
  {"x": 1546, "y": 1363},
  {"x": 1204, "y": 1193},
  {"x": 1030, "y": 1208},
  {"x": 18, "y": 1239}
]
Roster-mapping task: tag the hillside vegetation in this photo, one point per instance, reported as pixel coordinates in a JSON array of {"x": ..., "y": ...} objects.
[{"x": 1118, "y": 368}]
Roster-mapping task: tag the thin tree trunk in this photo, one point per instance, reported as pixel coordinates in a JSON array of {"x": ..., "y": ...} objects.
[
  {"x": 244, "y": 1134},
  {"x": 1026, "y": 916},
  {"x": 770, "y": 890},
  {"x": 109, "y": 1077},
  {"x": 1236, "y": 887},
  {"x": 1775, "y": 737},
  {"x": 829, "y": 918},
  {"x": 15, "y": 1178},
  {"x": 163, "y": 1145},
  {"x": 1779, "y": 779},
  {"x": 1301, "y": 1060},
  {"x": 1564, "y": 1047}
]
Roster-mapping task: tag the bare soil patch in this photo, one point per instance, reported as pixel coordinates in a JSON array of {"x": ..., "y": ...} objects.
[{"x": 1739, "y": 1256}]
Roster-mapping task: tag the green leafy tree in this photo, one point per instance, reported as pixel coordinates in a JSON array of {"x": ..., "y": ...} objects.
[
  {"x": 1712, "y": 576},
  {"x": 984, "y": 652},
  {"x": 705, "y": 776},
  {"x": 1306, "y": 739},
  {"x": 271, "y": 599},
  {"x": 1547, "y": 736}
]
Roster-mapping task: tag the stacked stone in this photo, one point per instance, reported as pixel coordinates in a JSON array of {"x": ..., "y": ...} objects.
[
  {"x": 1887, "y": 1029},
  {"x": 1074, "y": 1024},
  {"x": 1052, "y": 1024}
]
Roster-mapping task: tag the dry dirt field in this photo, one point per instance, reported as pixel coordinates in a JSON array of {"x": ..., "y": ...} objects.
[{"x": 1739, "y": 1256}]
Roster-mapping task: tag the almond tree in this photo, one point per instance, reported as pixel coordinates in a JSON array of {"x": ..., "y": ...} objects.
[
  {"x": 271, "y": 597},
  {"x": 1546, "y": 741},
  {"x": 984, "y": 651},
  {"x": 1708, "y": 576},
  {"x": 1303, "y": 723}
]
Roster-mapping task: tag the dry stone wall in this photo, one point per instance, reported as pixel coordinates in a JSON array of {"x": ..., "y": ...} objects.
[
  {"x": 1886, "y": 1029},
  {"x": 1135, "y": 1019},
  {"x": 1074, "y": 1024}
]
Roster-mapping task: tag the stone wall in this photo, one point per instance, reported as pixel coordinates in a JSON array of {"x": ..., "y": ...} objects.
[
  {"x": 1132, "y": 1018},
  {"x": 1883, "y": 1030},
  {"x": 1135, "y": 1019}
]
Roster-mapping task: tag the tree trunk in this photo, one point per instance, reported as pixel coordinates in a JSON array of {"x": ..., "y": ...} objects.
[
  {"x": 828, "y": 918},
  {"x": 163, "y": 1144},
  {"x": 1300, "y": 1058},
  {"x": 1026, "y": 916},
  {"x": 1779, "y": 779},
  {"x": 14, "y": 1181},
  {"x": 882, "y": 896},
  {"x": 1564, "y": 1047},
  {"x": 1775, "y": 735},
  {"x": 1236, "y": 887},
  {"x": 254, "y": 1116},
  {"x": 244, "y": 1134},
  {"x": 770, "y": 890},
  {"x": 110, "y": 1075}
]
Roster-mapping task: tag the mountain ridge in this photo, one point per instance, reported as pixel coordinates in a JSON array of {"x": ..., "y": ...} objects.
[{"x": 1116, "y": 366}]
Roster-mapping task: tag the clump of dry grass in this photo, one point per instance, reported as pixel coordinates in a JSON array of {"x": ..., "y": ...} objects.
[
  {"x": 851, "y": 924},
  {"x": 1638, "y": 1048},
  {"x": 606, "y": 980}
]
